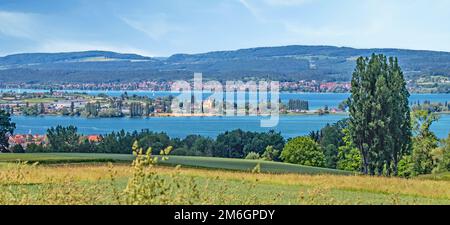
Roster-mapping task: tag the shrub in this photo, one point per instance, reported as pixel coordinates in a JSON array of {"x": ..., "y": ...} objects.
[
  {"x": 33, "y": 148},
  {"x": 271, "y": 154},
  {"x": 349, "y": 159},
  {"x": 405, "y": 167},
  {"x": 253, "y": 156},
  {"x": 303, "y": 151},
  {"x": 441, "y": 156},
  {"x": 422, "y": 157},
  {"x": 17, "y": 149}
]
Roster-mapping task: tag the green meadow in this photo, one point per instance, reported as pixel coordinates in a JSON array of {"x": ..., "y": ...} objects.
[
  {"x": 186, "y": 161},
  {"x": 76, "y": 178}
]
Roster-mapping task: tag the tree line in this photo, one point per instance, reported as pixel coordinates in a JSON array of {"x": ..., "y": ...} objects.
[
  {"x": 230, "y": 144},
  {"x": 330, "y": 147}
]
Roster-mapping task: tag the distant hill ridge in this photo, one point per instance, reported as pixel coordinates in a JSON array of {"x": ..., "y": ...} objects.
[
  {"x": 28, "y": 58},
  {"x": 285, "y": 63}
]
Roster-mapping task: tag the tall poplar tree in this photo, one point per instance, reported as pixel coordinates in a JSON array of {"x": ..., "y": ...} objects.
[
  {"x": 400, "y": 125},
  {"x": 379, "y": 114}
]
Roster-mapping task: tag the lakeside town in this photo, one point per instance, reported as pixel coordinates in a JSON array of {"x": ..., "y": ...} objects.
[
  {"x": 105, "y": 106},
  {"x": 299, "y": 86},
  {"x": 43, "y": 100},
  {"x": 102, "y": 105},
  {"x": 430, "y": 84}
]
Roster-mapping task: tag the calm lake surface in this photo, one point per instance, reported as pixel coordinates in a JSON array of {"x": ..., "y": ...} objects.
[{"x": 289, "y": 126}]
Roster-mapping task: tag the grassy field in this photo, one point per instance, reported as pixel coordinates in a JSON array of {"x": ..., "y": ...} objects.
[
  {"x": 187, "y": 161},
  {"x": 440, "y": 176},
  {"x": 120, "y": 183},
  {"x": 41, "y": 100}
]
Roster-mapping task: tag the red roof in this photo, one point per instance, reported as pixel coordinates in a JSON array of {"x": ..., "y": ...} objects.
[{"x": 94, "y": 138}]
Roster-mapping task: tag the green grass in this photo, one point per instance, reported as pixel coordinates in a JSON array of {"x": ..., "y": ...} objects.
[
  {"x": 57, "y": 158},
  {"x": 439, "y": 176},
  {"x": 273, "y": 193},
  {"x": 187, "y": 161},
  {"x": 248, "y": 165},
  {"x": 234, "y": 191},
  {"x": 69, "y": 180},
  {"x": 41, "y": 100}
]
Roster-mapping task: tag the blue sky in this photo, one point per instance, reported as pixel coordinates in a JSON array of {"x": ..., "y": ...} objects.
[{"x": 165, "y": 27}]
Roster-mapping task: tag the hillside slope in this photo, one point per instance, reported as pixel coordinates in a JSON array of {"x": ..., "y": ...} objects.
[
  {"x": 286, "y": 63},
  {"x": 185, "y": 161}
]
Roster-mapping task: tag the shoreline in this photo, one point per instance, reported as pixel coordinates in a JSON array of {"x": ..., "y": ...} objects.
[
  {"x": 168, "y": 91},
  {"x": 205, "y": 115}
]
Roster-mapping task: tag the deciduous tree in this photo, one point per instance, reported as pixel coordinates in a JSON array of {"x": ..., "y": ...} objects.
[
  {"x": 6, "y": 130},
  {"x": 303, "y": 151}
]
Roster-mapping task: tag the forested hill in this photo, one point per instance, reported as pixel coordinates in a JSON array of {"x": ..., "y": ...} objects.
[{"x": 287, "y": 63}]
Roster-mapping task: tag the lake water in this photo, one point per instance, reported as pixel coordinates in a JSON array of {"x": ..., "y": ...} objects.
[
  {"x": 289, "y": 126},
  {"x": 316, "y": 100}
]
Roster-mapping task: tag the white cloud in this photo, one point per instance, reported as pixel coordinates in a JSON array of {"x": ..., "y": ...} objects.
[{"x": 16, "y": 24}]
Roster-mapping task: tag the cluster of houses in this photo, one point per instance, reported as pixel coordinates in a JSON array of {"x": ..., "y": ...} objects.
[
  {"x": 315, "y": 86},
  {"x": 26, "y": 139},
  {"x": 122, "y": 86},
  {"x": 15, "y": 102},
  {"x": 334, "y": 86}
]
